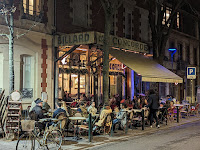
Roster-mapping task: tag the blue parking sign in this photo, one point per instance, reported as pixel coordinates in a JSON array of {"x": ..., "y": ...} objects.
[{"x": 191, "y": 72}]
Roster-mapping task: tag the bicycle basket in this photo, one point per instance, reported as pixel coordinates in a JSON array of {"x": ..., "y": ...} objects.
[{"x": 28, "y": 125}]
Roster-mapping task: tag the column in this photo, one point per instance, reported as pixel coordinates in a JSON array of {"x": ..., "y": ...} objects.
[{"x": 87, "y": 90}]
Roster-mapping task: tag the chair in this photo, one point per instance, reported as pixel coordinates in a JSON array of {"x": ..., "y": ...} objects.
[
  {"x": 107, "y": 125},
  {"x": 170, "y": 114},
  {"x": 62, "y": 117},
  {"x": 185, "y": 112},
  {"x": 195, "y": 110}
]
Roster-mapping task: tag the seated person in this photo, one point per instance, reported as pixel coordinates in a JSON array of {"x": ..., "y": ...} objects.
[
  {"x": 58, "y": 110},
  {"x": 121, "y": 115},
  {"x": 46, "y": 106},
  {"x": 66, "y": 108},
  {"x": 105, "y": 111},
  {"x": 36, "y": 114},
  {"x": 67, "y": 97},
  {"x": 92, "y": 109},
  {"x": 84, "y": 110},
  {"x": 38, "y": 110}
]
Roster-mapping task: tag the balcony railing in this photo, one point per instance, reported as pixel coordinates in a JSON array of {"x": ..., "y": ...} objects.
[
  {"x": 27, "y": 92},
  {"x": 1, "y": 90}
]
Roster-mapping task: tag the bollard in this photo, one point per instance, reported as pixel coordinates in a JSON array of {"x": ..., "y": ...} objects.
[
  {"x": 177, "y": 114},
  {"x": 142, "y": 119},
  {"x": 111, "y": 132},
  {"x": 90, "y": 128},
  {"x": 126, "y": 130}
]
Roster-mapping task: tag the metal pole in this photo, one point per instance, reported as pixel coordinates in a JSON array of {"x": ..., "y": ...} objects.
[
  {"x": 177, "y": 114},
  {"x": 191, "y": 90},
  {"x": 126, "y": 130},
  {"x": 142, "y": 119},
  {"x": 90, "y": 128}
]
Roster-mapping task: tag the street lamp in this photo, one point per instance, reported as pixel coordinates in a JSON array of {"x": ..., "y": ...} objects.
[{"x": 173, "y": 51}]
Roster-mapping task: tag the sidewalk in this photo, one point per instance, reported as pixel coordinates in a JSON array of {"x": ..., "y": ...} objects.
[{"x": 101, "y": 140}]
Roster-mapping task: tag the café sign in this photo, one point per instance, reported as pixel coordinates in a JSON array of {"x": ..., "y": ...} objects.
[{"x": 97, "y": 38}]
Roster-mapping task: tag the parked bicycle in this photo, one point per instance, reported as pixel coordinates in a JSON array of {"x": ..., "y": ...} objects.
[{"x": 32, "y": 139}]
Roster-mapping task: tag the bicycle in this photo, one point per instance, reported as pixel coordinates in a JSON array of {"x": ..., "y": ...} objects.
[{"x": 32, "y": 140}]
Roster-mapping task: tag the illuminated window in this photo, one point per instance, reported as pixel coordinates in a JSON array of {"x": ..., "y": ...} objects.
[
  {"x": 167, "y": 13},
  {"x": 32, "y": 7}
]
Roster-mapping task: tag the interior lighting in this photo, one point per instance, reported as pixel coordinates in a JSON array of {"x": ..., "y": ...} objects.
[
  {"x": 64, "y": 62},
  {"x": 74, "y": 75}
]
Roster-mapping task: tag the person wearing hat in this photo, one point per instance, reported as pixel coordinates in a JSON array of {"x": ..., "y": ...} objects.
[{"x": 38, "y": 109}]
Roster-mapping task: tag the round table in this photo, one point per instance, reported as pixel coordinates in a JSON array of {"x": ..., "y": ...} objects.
[{"x": 77, "y": 119}]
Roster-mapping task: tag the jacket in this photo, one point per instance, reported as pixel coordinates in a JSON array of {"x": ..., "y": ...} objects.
[
  {"x": 38, "y": 112},
  {"x": 153, "y": 101}
]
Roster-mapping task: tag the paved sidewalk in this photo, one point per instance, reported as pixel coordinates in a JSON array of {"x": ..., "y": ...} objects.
[{"x": 101, "y": 140}]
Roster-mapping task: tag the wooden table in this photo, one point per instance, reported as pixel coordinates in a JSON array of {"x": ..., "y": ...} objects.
[{"x": 77, "y": 119}]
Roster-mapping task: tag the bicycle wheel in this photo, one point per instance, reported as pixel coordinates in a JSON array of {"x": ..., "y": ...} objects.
[
  {"x": 54, "y": 140},
  {"x": 25, "y": 142}
]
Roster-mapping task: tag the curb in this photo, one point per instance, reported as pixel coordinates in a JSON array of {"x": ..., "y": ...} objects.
[{"x": 130, "y": 137}]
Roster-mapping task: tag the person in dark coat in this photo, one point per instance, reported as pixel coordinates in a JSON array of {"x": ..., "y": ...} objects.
[
  {"x": 58, "y": 110},
  {"x": 153, "y": 104},
  {"x": 38, "y": 109},
  {"x": 37, "y": 113}
]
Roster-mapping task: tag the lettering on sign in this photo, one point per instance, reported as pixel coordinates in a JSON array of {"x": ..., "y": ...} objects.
[
  {"x": 97, "y": 38},
  {"x": 122, "y": 43},
  {"x": 75, "y": 39},
  {"x": 117, "y": 67}
]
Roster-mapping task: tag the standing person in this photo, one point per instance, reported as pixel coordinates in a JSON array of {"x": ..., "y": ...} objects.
[
  {"x": 153, "y": 104},
  {"x": 118, "y": 99}
]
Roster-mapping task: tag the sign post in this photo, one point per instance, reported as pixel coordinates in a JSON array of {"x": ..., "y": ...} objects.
[{"x": 191, "y": 74}]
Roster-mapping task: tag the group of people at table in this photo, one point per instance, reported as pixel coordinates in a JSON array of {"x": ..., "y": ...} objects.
[{"x": 116, "y": 106}]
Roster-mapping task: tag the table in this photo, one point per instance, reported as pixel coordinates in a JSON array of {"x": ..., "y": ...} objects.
[
  {"x": 77, "y": 119},
  {"x": 177, "y": 107},
  {"x": 48, "y": 119}
]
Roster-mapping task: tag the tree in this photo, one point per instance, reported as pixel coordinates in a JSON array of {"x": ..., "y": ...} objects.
[
  {"x": 7, "y": 9},
  {"x": 160, "y": 32},
  {"x": 110, "y": 7}
]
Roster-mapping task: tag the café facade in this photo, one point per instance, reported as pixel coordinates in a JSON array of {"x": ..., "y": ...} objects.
[{"x": 79, "y": 63}]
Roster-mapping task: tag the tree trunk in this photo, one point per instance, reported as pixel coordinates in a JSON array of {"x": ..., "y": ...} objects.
[
  {"x": 11, "y": 62},
  {"x": 106, "y": 58}
]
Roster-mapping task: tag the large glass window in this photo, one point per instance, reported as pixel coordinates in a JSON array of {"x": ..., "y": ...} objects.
[
  {"x": 26, "y": 76},
  {"x": 32, "y": 7},
  {"x": 166, "y": 16},
  {"x": 128, "y": 26}
]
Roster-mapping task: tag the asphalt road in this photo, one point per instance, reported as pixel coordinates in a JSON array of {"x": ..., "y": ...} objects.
[{"x": 184, "y": 137}]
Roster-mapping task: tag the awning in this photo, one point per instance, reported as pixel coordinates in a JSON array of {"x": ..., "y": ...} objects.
[{"x": 149, "y": 69}]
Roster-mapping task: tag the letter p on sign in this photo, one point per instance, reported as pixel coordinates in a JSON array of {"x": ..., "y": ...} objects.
[{"x": 190, "y": 71}]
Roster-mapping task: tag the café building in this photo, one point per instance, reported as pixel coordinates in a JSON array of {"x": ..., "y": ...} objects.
[{"x": 79, "y": 63}]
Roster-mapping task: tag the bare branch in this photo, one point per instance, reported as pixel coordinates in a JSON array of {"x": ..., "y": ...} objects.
[
  {"x": 117, "y": 5},
  {"x": 4, "y": 35},
  {"x": 103, "y": 4},
  {"x": 35, "y": 24}
]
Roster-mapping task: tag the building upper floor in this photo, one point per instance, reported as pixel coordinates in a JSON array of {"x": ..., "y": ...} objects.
[
  {"x": 35, "y": 15},
  {"x": 131, "y": 20}
]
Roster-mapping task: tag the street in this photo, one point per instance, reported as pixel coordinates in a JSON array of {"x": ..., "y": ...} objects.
[{"x": 184, "y": 137}]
